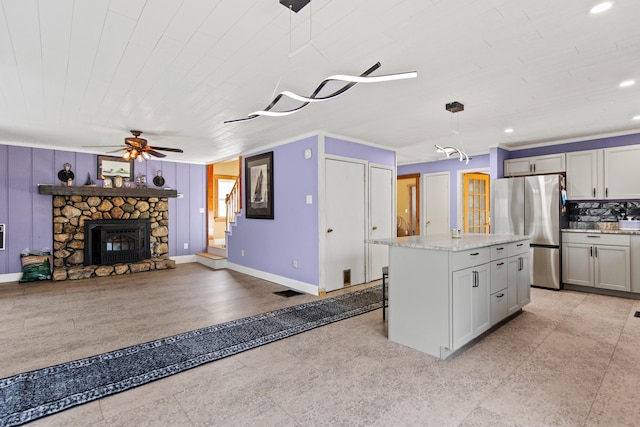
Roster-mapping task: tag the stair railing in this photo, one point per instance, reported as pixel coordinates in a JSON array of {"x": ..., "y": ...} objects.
[{"x": 232, "y": 201}]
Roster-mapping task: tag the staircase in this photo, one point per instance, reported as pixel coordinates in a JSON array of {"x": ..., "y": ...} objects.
[{"x": 216, "y": 255}]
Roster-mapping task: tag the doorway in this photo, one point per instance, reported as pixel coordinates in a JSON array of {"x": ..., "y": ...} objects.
[
  {"x": 408, "y": 205},
  {"x": 476, "y": 216},
  {"x": 345, "y": 221}
]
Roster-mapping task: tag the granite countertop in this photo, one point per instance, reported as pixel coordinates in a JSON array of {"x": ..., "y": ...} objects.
[
  {"x": 601, "y": 231},
  {"x": 444, "y": 242}
]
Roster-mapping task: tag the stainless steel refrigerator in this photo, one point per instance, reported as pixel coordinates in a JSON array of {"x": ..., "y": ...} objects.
[{"x": 534, "y": 206}]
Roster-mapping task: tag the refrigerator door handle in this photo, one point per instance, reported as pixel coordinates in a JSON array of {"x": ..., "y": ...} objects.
[{"x": 591, "y": 251}]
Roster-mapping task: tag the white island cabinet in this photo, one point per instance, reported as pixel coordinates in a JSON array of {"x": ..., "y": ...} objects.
[{"x": 441, "y": 290}]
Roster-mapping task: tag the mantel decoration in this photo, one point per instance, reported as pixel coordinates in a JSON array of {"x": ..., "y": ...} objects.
[
  {"x": 65, "y": 175},
  {"x": 315, "y": 97},
  {"x": 111, "y": 166},
  {"x": 259, "y": 186}
]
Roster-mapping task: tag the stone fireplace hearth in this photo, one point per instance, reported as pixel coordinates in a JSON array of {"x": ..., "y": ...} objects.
[{"x": 75, "y": 206}]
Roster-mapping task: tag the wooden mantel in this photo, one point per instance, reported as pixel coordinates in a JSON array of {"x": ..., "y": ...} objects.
[{"x": 63, "y": 190}]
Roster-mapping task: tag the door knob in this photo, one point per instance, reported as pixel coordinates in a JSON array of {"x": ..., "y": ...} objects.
[
  {"x": 329, "y": 230},
  {"x": 375, "y": 228},
  {"x": 428, "y": 222}
]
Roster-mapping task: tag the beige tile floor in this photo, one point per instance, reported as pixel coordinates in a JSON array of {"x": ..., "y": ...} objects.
[{"x": 569, "y": 359}]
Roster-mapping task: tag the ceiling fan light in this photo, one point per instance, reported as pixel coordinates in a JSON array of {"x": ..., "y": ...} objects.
[
  {"x": 140, "y": 159},
  {"x": 126, "y": 155},
  {"x": 146, "y": 155}
]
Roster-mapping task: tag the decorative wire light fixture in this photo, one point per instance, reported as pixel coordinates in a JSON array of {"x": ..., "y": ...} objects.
[
  {"x": 314, "y": 97},
  {"x": 454, "y": 107},
  {"x": 296, "y": 6}
]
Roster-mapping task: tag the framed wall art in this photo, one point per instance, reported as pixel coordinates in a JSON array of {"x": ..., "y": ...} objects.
[
  {"x": 258, "y": 184},
  {"x": 111, "y": 166}
]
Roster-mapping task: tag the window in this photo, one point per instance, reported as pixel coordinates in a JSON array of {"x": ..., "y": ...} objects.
[{"x": 223, "y": 186}]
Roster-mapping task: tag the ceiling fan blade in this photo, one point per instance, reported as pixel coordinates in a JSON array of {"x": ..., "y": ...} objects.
[
  {"x": 175, "y": 150},
  {"x": 155, "y": 153},
  {"x": 115, "y": 151},
  {"x": 103, "y": 146}
]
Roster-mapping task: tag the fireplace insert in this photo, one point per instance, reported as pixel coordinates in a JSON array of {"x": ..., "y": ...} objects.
[{"x": 114, "y": 241}]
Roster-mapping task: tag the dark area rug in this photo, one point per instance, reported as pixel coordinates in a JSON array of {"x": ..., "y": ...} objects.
[{"x": 31, "y": 395}]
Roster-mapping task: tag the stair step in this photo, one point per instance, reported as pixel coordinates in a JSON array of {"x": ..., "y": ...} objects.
[
  {"x": 212, "y": 260},
  {"x": 217, "y": 250}
]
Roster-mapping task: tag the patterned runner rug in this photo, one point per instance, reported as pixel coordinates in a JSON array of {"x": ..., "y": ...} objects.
[{"x": 31, "y": 395}]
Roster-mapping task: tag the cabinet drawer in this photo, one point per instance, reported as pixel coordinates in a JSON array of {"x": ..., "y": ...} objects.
[
  {"x": 499, "y": 251},
  {"x": 464, "y": 259},
  {"x": 596, "y": 239},
  {"x": 499, "y": 306},
  {"x": 519, "y": 248},
  {"x": 499, "y": 275}
]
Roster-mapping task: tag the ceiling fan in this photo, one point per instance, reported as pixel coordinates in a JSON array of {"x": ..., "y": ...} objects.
[{"x": 137, "y": 148}]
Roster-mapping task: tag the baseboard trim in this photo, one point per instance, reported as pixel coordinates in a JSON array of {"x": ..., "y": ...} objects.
[
  {"x": 600, "y": 291},
  {"x": 184, "y": 259},
  {"x": 10, "y": 277},
  {"x": 284, "y": 281}
]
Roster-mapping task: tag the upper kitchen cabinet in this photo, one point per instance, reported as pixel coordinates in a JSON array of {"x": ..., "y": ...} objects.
[
  {"x": 584, "y": 175},
  {"x": 610, "y": 173},
  {"x": 538, "y": 165}
]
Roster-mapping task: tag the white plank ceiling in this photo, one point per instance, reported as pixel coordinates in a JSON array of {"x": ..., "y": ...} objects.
[{"x": 78, "y": 73}]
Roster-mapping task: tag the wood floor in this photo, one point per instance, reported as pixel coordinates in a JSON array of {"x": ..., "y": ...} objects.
[{"x": 569, "y": 359}]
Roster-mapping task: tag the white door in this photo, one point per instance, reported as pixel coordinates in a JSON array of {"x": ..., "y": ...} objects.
[
  {"x": 381, "y": 213},
  {"x": 345, "y": 224},
  {"x": 436, "y": 206}
]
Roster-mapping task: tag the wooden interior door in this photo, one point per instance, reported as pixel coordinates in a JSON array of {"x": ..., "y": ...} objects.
[
  {"x": 408, "y": 205},
  {"x": 476, "y": 217}
]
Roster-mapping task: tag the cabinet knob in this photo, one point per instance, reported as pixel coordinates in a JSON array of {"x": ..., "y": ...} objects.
[
  {"x": 329, "y": 230},
  {"x": 374, "y": 228}
]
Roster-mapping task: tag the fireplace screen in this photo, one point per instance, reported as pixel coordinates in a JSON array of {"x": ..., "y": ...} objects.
[{"x": 110, "y": 242}]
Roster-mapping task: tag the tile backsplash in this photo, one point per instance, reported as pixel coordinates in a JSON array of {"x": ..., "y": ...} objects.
[{"x": 588, "y": 214}]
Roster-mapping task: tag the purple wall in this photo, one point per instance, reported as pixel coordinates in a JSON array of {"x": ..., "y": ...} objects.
[
  {"x": 28, "y": 215},
  {"x": 452, "y": 166},
  {"x": 272, "y": 245},
  {"x": 338, "y": 147},
  {"x": 613, "y": 141}
]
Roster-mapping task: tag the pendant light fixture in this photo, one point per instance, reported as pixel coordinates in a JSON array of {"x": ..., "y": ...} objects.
[
  {"x": 315, "y": 96},
  {"x": 454, "y": 107}
]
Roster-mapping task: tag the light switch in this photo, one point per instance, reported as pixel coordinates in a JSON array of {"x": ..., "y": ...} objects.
[
  {"x": 309, "y": 199},
  {"x": 307, "y": 153},
  {"x": 201, "y": 210}
]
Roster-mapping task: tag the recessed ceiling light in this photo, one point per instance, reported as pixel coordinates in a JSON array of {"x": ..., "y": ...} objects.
[
  {"x": 627, "y": 83},
  {"x": 635, "y": 118},
  {"x": 601, "y": 7},
  {"x": 508, "y": 130}
]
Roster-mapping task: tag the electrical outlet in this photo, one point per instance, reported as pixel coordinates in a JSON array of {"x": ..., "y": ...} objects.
[
  {"x": 186, "y": 246},
  {"x": 242, "y": 252},
  {"x": 294, "y": 263}
]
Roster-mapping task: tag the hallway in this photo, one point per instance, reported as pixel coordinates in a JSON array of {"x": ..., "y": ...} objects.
[{"x": 569, "y": 359}]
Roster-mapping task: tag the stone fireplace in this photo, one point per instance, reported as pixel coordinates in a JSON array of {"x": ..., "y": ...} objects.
[{"x": 128, "y": 228}]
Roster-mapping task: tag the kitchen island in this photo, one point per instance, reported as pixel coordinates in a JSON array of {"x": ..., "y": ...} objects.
[{"x": 444, "y": 291}]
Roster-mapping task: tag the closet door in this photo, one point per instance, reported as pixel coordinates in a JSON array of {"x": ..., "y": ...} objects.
[
  {"x": 381, "y": 218},
  {"x": 345, "y": 224}
]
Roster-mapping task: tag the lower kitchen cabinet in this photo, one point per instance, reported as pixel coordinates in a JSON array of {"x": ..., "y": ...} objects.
[
  {"x": 471, "y": 315},
  {"x": 597, "y": 260}
]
